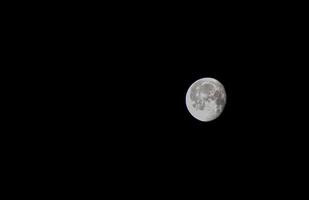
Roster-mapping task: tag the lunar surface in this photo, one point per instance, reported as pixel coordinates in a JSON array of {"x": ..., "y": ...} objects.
[{"x": 206, "y": 99}]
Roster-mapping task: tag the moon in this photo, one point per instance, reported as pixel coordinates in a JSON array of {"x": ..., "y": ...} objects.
[{"x": 206, "y": 99}]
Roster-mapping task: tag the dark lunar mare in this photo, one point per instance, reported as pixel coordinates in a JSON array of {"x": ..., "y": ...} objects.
[
  {"x": 203, "y": 88},
  {"x": 194, "y": 90},
  {"x": 220, "y": 100},
  {"x": 207, "y": 88}
]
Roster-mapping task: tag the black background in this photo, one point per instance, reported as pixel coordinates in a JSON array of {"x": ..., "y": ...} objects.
[
  {"x": 135, "y": 90},
  {"x": 112, "y": 93}
]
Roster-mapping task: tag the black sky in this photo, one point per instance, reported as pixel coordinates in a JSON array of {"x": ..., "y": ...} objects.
[
  {"x": 132, "y": 74},
  {"x": 114, "y": 92}
]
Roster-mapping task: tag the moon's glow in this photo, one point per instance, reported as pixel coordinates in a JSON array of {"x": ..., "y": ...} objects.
[{"x": 206, "y": 99}]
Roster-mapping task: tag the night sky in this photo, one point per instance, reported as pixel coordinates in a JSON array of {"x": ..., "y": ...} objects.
[
  {"x": 131, "y": 82},
  {"x": 114, "y": 87}
]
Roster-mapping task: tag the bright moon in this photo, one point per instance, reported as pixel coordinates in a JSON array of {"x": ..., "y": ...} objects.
[{"x": 206, "y": 99}]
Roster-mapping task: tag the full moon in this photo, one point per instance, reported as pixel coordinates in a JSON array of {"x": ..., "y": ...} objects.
[{"x": 206, "y": 99}]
